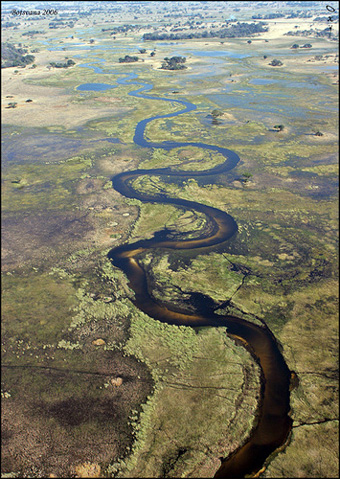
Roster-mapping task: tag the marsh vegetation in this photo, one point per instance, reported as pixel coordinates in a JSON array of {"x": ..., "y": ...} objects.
[{"x": 70, "y": 328}]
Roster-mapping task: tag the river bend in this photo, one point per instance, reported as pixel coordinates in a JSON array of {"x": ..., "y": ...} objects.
[{"x": 273, "y": 423}]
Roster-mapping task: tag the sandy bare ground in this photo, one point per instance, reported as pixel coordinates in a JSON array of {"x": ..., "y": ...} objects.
[{"x": 50, "y": 106}]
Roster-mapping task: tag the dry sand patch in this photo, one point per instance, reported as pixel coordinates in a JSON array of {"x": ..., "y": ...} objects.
[{"x": 50, "y": 106}]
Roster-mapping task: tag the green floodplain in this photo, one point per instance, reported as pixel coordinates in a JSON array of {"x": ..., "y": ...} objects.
[{"x": 91, "y": 386}]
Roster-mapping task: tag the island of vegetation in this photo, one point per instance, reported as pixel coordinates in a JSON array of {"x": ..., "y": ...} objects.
[
  {"x": 128, "y": 59},
  {"x": 173, "y": 63},
  {"x": 67, "y": 64}
]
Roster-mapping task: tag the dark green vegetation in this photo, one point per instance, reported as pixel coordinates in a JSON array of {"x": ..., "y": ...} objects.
[
  {"x": 60, "y": 24},
  {"x": 69, "y": 327},
  {"x": 307, "y": 33},
  {"x": 67, "y": 64},
  {"x": 233, "y": 31},
  {"x": 128, "y": 59},
  {"x": 33, "y": 32},
  {"x": 14, "y": 57},
  {"x": 276, "y": 63},
  {"x": 174, "y": 63}
]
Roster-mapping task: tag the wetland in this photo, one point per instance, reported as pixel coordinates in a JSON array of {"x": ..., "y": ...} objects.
[{"x": 116, "y": 300}]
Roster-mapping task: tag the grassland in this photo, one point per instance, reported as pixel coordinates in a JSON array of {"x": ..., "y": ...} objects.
[{"x": 70, "y": 328}]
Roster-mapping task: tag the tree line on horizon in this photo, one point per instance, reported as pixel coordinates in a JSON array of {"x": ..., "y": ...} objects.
[{"x": 233, "y": 31}]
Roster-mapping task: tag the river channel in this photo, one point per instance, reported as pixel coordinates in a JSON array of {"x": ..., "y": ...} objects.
[{"x": 273, "y": 422}]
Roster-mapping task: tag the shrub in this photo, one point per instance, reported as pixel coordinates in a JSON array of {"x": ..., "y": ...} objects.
[{"x": 275, "y": 63}]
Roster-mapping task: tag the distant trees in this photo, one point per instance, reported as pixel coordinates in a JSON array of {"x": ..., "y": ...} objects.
[
  {"x": 269, "y": 16},
  {"x": 59, "y": 24},
  {"x": 128, "y": 59},
  {"x": 275, "y": 63},
  {"x": 14, "y": 57},
  {"x": 233, "y": 31},
  {"x": 307, "y": 33},
  {"x": 246, "y": 176},
  {"x": 9, "y": 24},
  {"x": 173, "y": 63},
  {"x": 216, "y": 113},
  {"x": 33, "y": 32},
  {"x": 68, "y": 64}
]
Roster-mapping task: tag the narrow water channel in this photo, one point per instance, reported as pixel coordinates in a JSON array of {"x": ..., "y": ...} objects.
[{"x": 273, "y": 422}]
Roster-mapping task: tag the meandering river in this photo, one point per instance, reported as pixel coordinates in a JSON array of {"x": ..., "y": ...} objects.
[{"x": 273, "y": 422}]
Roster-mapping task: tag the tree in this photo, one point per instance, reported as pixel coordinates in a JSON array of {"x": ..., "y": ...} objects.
[
  {"x": 128, "y": 59},
  {"x": 275, "y": 63},
  {"x": 142, "y": 50},
  {"x": 295, "y": 46},
  {"x": 279, "y": 127},
  {"x": 216, "y": 113},
  {"x": 246, "y": 177},
  {"x": 318, "y": 133},
  {"x": 69, "y": 63},
  {"x": 173, "y": 63}
]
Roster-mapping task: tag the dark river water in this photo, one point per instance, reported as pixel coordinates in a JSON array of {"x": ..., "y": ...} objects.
[{"x": 273, "y": 422}]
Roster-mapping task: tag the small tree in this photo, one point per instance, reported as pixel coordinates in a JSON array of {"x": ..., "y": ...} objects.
[
  {"x": 216, "y": 113},
  {"x": 246, "y": 177},
  {"x": 295, "y": 46},
  {"x": 318, "y": 133},
  {"x": 279, "y": 127},
  {"x": 275, "y": 63}
]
